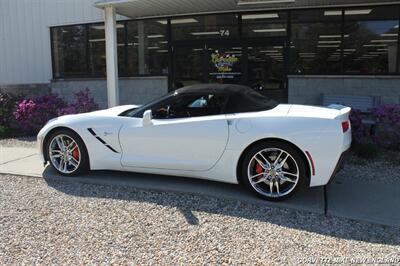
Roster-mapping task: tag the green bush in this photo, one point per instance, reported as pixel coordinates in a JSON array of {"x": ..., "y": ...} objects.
[
  {"x": 366, "y": 150},
  {"x": 7, "y": 106}
]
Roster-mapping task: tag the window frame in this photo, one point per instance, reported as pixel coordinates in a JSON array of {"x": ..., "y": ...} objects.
[
  {"x": 169, "y": 34},
  {"x": 138, "y": 113}
]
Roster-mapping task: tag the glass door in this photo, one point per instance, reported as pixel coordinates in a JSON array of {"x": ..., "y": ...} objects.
[
  {"x": 255, "y": 63},
  {"x": 224, "y": 63},
  {"x": 266, "y": 69},
  {"x": 188, "y": 65}
]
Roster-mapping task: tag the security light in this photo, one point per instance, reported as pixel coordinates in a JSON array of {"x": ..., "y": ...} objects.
[
  {"x": 328, "y": 46},
  {"x": 234, "y": 52},
  {"x": 205, "y": 33},
  {"x": 155, "y": 36},
  {"x": 101, "y": 27},
  {"x": 179, "y": 21},
  {"x": 97, "y": 40},
  {"x": 269, "y": 51},
  {"x": 358, "y": 12},
  {"x": 378, "y": 41},
  {"x": 375, "y": 45},
  {"x": 348, "y": 12},
  {"x": 260, "y": 16},
  {"x": 333, "y": 13},
  {"x": 332, "y": 36},
  {"x": 269, "y": 30},
  {"x": 260, "y": 2},
  {"x": 389, "y": 35},
  {"x": 325, "y": 42}
]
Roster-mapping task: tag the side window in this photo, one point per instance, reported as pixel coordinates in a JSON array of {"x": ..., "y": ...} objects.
[{"x": 190, "y": 105}]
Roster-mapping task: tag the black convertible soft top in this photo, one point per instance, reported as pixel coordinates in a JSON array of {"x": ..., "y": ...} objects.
[{"x": 240, "y": 98}]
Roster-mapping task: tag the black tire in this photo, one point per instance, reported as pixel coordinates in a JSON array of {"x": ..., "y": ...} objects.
[
  {"x": 83, "y": 166},
  {"x": 270, "y": 144}
]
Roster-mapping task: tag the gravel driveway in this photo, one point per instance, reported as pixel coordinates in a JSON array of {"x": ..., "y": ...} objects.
[{"x": 60, "y": 222}]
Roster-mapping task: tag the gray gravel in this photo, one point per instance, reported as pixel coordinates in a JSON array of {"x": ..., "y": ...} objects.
[
  {"x": 60, "y": 222},
  {"x": 19, "y": 142},
  {"x": 384, "y": 169}
]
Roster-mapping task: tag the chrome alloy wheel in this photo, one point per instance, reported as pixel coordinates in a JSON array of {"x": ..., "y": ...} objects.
[
  {"x": 273, "y": 172},
  {"x": 64, "y": 154}
]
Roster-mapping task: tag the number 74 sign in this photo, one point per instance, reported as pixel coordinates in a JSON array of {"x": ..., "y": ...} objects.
[{"x": 224, "y": 33}]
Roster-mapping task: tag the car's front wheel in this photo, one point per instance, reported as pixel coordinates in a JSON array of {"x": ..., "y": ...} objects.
[
  {"x": 273, "y": 170},
  {"x": 67, "y": 153}
]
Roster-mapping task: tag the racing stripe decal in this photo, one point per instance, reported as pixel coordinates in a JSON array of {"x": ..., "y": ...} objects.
[{"x": 101, "y": 140}]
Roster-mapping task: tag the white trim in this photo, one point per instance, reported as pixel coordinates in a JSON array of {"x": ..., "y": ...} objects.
[
  {"x": 111, "y": 56},
  {"x": 102, "y": 4}
]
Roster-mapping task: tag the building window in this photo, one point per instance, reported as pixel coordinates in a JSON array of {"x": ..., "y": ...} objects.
[
  {"x": 371, "y": 40},
  {"x": 259, "y": 25},
  {"x": 204, "y": 27},
  {"x": 316, "y": 42},
  {"x": 79, "y": 50},
  {"x": 97, "y": 49},
  {"x": 147, "y": 48},
  {"x": 69, "y": 51}
]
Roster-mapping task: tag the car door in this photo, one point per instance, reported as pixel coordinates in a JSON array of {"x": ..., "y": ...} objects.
[{"x": 187, "y": 132}]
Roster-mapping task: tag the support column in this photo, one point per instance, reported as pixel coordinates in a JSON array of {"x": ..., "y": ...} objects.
[{"x": 111, "y": 56}]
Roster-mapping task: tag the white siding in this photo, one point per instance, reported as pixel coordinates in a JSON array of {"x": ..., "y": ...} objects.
[{"x": 25, "y": 54}]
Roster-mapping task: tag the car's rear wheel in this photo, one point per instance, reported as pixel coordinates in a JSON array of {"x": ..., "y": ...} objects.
[
  {"x": 67, "y": 153},
  {"x": 274, "y": 170}
]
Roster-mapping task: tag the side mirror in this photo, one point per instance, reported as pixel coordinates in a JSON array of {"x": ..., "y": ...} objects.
[{"x": 147, "y": 116}]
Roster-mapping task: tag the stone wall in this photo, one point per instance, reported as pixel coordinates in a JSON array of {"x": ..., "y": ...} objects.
[
  {"x": 26, "y": 90},
  {"x": 137, "y": 90},
  {"x": 309, "y": 89}
]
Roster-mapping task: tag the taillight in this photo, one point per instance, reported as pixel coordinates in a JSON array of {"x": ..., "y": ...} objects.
[{"x": 345, "y": 126}]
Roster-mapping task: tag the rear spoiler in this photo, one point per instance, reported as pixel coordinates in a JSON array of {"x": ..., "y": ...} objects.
[{"x": 344, "y": 111}]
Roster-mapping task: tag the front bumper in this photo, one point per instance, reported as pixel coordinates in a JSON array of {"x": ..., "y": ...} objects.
[
  {"x": 339, "y": 165},
  {"x": 40, "y": 142}
]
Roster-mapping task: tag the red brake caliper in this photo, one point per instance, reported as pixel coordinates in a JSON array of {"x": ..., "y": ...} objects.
[
  {"x": 75, "y": 153},
  {"x": 259, "y": 169}
]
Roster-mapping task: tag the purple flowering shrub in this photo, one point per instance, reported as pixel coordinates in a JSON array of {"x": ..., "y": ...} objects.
[
  {"x": 388, "y": 133},
  {"x": 82, "y": 103},
  {"x": 7, "y": 106},
  {"x": 361, "y": 132},
  {"x": 32, "y": 114}
]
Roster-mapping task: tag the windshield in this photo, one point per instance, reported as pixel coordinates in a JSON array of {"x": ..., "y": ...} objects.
[{"x": 138, "y": 112}]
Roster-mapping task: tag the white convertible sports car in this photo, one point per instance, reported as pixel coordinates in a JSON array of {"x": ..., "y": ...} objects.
[{"x": 227, "y": 133}]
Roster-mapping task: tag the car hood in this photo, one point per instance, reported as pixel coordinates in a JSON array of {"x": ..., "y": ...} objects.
[
  {"x": 113, "y": 111},
  {"x": 110, "y": 112}
]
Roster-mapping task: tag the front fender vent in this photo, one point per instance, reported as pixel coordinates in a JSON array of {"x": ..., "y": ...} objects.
[{"x": 101, "y": 140}]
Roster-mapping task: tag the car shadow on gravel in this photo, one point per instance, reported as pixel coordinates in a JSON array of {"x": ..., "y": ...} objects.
[{"x": 193, "y": 195}]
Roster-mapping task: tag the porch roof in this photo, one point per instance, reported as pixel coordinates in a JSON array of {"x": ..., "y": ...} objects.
[{"x": 162, "y": 8}]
